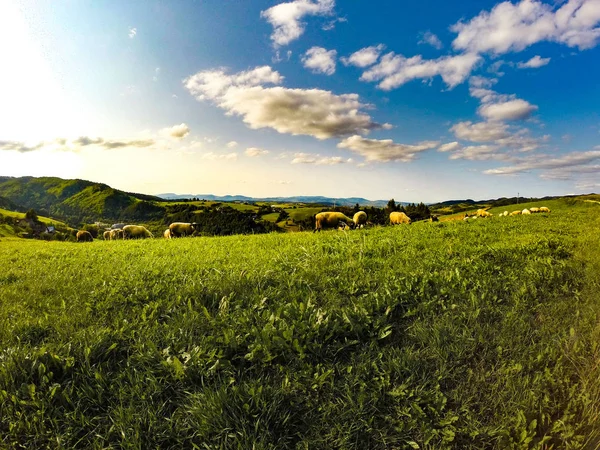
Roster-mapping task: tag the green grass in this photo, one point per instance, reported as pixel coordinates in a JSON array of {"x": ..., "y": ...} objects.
[{"x": 458, "y": 335}]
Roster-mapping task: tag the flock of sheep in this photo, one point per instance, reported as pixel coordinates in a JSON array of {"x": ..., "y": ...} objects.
[
  {"x": 323, "y": 220},
  {"x": 484, "y": 213}
]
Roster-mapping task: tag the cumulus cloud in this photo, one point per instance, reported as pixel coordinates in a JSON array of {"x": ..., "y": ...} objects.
[
  {"x": 450, "y": 146},
  {"x": 232, "y": 144},
  {"x": 497, "y": 133},
  {"x": 514, "y": 109},
  {"x": 429, "y": 38},
  {"x": 394, "y": 70},
  {"x": 512, "y": 27},
  {"x": 312, "y": 112},
  {"x": 497, "y": 106},
  {"x": 364, "y": 57},
  {"x": 307, "y": 158},
  {"x": 574, "y": 162},
  {"x": 480, "y": 131},
  {"x": 132, "y": 32},
  {"x": 385, "y": 150},
  {"x": 286, "y": 18},
  {"x": 533, "y": 63},
  {"x": 176, "y": 131},
  {"x": 254, "y": 151},
  {"x": 320, "y": 60}
]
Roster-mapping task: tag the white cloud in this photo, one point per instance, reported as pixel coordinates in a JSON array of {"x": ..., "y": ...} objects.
[
  {"x": 533, "y": 63},
  {"x": 364, "y": 57},
  {"x": 176, "y": 131},
  {"x": 479, "y": 153},
  {"x": 575, "y": 161},
  {"x": 497, "y": 133},
  {"x": 394, "y": 70},
  {"x": 385, "y": 150},
  {"x": 515, "y": 109},
  {"x": 212, "y": 156},
  {"x": 307, "y": 158},
  {"x": 232, "y": 144},
  {"x": 286, "y": 18},
  {"x": 156, "y": 74},
  {"x": 514, "y": 27},
  {"x": 312, "y": 112},
  {"x": 320, "y": 60},
  {"x": 132, "y": 32},
  {"x": 498, "y": 106},
  {"x": 429, "y": 38},
  {"x": 480, "y": 131},
  {"x": 74, "y": 144},
  {"x": 254, "y": 151},
  {"x": 449, "y": 147}
]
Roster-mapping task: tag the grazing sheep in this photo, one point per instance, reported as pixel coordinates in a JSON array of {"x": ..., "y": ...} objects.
[
  {"x": 167, "y": 234},
  {"x": 534, "y": 210},
  {"x": 359, "y": 219},
  {"x": 84, "y": 236},
  {"x": 505, "y": 214},
  {"x": 397, "y": 218},
  {"x": 525, "y": 211},
  {"x": 106, "y": 235},
  {"x": 483, "y": 213},
  {"x": 115, "y": 234},
  {"x": 434, "y": 219},
  {"x": 544, "y": 209},
  {"x": 515, "y": 213},
  {"x": 136, "y": 232},
  {"x": 181, "y": 229},
  {"x": 331, "y": 220}
]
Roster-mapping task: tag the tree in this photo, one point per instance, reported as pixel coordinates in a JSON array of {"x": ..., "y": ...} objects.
[
  {"x": 391, "y": 205},
  {"x": 31, "y": 215}
]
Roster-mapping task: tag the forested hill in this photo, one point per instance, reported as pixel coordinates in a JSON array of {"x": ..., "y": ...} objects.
[{"x": 78, "y": 200}]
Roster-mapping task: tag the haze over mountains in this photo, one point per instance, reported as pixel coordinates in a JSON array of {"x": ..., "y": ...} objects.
[{"x": 347, "y": 201}]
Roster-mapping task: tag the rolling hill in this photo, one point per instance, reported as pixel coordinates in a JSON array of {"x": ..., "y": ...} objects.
[{"x": 78, "y": 200}]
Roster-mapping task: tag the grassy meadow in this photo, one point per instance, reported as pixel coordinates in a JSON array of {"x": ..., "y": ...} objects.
[{"x": 460, "y": 335}]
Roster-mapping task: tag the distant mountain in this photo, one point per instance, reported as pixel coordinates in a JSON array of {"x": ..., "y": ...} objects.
[
  {"x": 348, "y": 201},
  {"x": 78, "y": 200}
]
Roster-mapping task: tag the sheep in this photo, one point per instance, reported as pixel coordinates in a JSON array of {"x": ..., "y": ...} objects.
[
  {"x": 397, "y": 218},
  {"x": 331, "y": 220},
  {"x": 534, "y": 210},
  {"x": 84, "y": 236},
  {"x": 106, "y": 235},
  {"x": 483, "y": 213},
  {"x": 167, "y": 234},
  {"x": 515, "y": 213},
  {"x": 136, "y": 232},
  {"x": 359, "y": 219},
  {"x": 525, "y": 211},
  {"x": 181, "y": 229},
  {"x": 505, "y": 214},
  {"x": 115, "y": 234},
  {"x": 434, "y": 219},
  {"x": 544, "y": 209}
]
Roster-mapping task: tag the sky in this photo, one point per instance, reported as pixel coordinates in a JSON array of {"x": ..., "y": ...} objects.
[{"x": 417, "y": 101}]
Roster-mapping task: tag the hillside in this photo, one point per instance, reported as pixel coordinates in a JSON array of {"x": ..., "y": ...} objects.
[
  {"x": 7, "y": 204},
  {"x": 78, "y": 200},
  {"x": 459, "y": 335}
]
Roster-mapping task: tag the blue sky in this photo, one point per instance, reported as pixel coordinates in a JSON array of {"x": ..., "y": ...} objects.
[{"x": 423, "y": 101}]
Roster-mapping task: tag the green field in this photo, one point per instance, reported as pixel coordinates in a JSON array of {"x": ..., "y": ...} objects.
[{"x": 462, "y": 335}]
